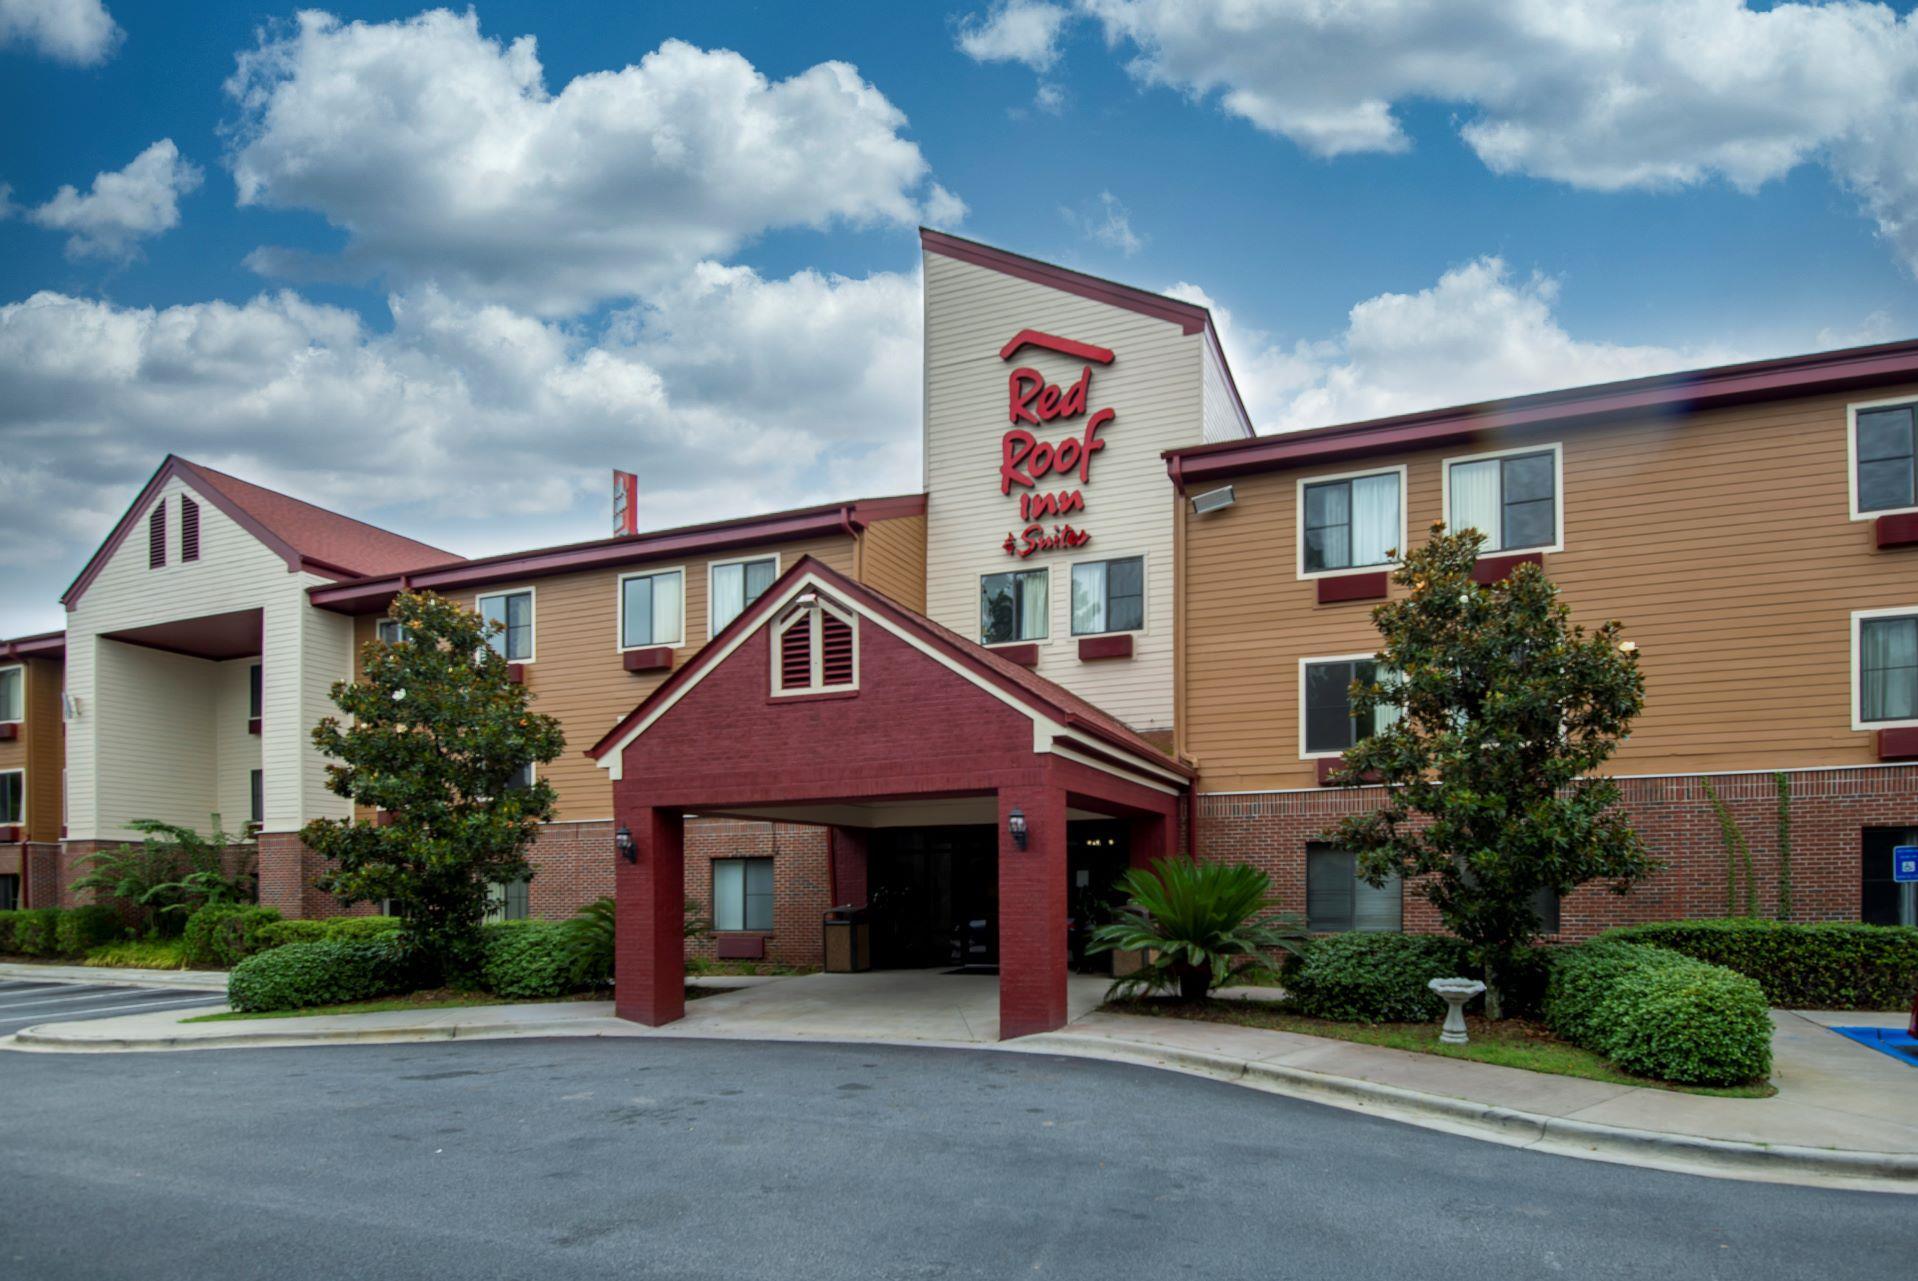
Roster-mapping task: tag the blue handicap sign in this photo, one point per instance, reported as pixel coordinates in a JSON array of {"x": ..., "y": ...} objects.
[{"x": 1904, "y": 863}]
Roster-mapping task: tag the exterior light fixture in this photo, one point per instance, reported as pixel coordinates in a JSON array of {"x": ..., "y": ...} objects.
[
  {"x": 623, "y": 842},
  {"x": 1213, "y": 500},
  {"x": 1016, "y": 827}
]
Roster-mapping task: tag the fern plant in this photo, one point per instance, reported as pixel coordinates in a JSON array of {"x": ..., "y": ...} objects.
[
  {"x": 590, "y": 934},
  {"x": 1195, "y": 925}
]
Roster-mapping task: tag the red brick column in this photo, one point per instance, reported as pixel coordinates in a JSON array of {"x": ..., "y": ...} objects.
[
  {"x": 650, "y": 954},
  {"x": 1032, "y": 913},
  {"x": 1153, "y": 837},
  {"x": 849, "y": 866}
]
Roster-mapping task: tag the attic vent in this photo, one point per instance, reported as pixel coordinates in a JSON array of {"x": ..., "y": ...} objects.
[
  {"x": 156, "y": 536},
  {"x": 189, "y": 529},
  {"x": 815, "y": 649}
]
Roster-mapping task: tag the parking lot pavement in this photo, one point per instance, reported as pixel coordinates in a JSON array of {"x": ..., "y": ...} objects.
[{"x": 25, "y": 1002}]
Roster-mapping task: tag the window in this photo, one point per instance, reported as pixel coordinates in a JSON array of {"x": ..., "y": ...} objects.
[
  {"x": 1336, "y": 900},
  {"x": 1881, "y": 900},
  {"x": 13, "y": 694},
  {"x": 256, "y": 784},
  {"x": 156, "y": 536},
  {"x": 1887, "y": 668},
  {"x": 255, "y": 691},
  {"x": 522, "y": 778},
  {"x": 815, "y": 650},
  {"x": 743, "y": 894},
  {"x": 1349, "y": 522},
  {"x": 649, "y": 609},
  {"x": 514, "y": 612},
  {"x": 1882, "y": 447},
  {"x": 734, "y": 585},
  {"x": 189, "y": 529},
  {"x": 390, "y": 631},
  {"x": 1014, "y": 606},
  {"x": 9, "y": 891},
  {"x": 13, "y": 798},
  {"x": 1545, "y": 904},
  {"x": 1511, "y": 498},
  {"x": 508, "y": 901},
  {"x": 1108, "y": 596},
  {"x": 1330, "y": 725}
]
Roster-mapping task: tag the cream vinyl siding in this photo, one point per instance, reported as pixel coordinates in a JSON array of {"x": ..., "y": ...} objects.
[
  {"x": 239, "y": 751},
  {"x": 1223, "y": 420},
  {"x": 1156, "y": 387}
]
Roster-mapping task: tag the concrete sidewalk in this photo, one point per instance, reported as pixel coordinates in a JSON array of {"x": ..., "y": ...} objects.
[
  {"x": 117, "y": 976},
  {"x": 1844, "y": 1115}
]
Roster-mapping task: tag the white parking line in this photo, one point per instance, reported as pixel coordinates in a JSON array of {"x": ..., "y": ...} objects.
[
  {"x": 54, "y": 1016},
  {"x": 25, "y": 988},
  {"x": 83, "y": 994}
]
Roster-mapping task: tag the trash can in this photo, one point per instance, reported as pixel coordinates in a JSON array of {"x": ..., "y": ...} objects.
[{"x": 848, "y": 948}]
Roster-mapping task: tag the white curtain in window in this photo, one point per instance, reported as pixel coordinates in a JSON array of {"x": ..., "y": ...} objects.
[
  {"x": 729, "y": 894},
  {"x": 1033, "y": 605},
  {"x": 1089, "y": 598},
  {"x": 729, "y": 593},
  {"x": 1375, "y": 518},
  {"x": 1475, "y": 499},
  {"x": 1890, "y": 663},
  {"x": 666, "y": 608}
]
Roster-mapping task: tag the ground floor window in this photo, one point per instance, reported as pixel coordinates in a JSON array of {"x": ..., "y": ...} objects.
[
  {"x": 1336, "y": 900},
  {"x": 743, "y": 894},
  {"x": 9, "y": 891},
  {"x": 509, "y": 901},
  {"x": 13, "y": 798},
  {"x": 1881, "y": 900}
]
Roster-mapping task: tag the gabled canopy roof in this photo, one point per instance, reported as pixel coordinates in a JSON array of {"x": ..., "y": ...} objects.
[
  {"x": 304, "y": 536},
  {"x": 1081, "y": 728}
]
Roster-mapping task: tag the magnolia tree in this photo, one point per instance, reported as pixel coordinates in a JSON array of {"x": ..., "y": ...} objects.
[
  {"x": 438, "y": 737},
  {"x": 1503, "y": 711}
]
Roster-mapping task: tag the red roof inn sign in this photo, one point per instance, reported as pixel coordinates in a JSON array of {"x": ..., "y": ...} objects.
[{"x": 1027, "y": 461}]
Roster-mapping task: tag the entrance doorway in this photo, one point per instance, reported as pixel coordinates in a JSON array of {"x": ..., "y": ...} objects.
[{"x": 933, "y": 894}]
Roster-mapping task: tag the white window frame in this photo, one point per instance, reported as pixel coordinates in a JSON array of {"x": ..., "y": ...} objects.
[
  {"x": 1858, "y": 617},
  {"x": 1052, "y": 603},
  {"x": 712, "y": 597},
  {"x": 713, "y": 893},
  {"x": 25, "y": 798},
  {"x": 531, "y": 593},
  {"x": 619, "y": 609},
  {"x": 1368, "y": 656},
  {"x": 1298, "y": 522},
  {"x": 1851, "y": 455},
  {"x": 22, "y": 669},
  {"x": 795, "y": 615},
  {"x": 1145, "y": 598},
  {"x": 1557, "y": 449},
  {"x": 381, "y": 624}
]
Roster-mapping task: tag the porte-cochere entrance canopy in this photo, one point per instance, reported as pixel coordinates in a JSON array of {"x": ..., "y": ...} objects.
[{"x": 826, "y": 702}]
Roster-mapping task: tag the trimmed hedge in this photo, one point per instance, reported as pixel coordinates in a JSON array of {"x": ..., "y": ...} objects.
[
  {"x": 1658, "y": 1014},
  {"x": 299, "y": 976},
  {"x": 36, "y": 932},
  {"x": 1835, "y": 965},
  {"x": 1374, "y": 978},
  {"x": 221, "y": 935},
  {"x": 280, "y": 933},
  {"x": 530, "y": 959},
  {"x": 81, "y": 929}
]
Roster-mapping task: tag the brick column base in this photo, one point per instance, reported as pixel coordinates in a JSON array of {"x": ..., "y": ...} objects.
[{"x": 1032, "y": 913}]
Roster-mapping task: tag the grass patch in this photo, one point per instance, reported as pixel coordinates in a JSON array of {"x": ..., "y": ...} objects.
[
  {"x": 702, "y": 967},
  {"x": 1514, "y": 1043},
  {"x": 139, "y": 954},
  {"x": 434, "y": 999}
]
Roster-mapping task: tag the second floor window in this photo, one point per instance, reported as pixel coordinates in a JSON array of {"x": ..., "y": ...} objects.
[
  {"x": 256, "y": 787},
  {"x": 1888, "y": 669},
  {"x": 737, "y": 585},
  {"x": 1511, "y": 499},
  {"x": 1351, "y": 523},
  {"x": 1013, "y": 606},
  {"x": 13, "y": 798},
  {"x": 1331, "y": 726},
  {"x": 514, "y": 612},
  {"x": 1885, "y": 447},
  {"x": 649, "y": 609},
  {"x": 391, "y": 631},
  {"x": 255, "y": 692},
  {"x": 13, "y": 694},
  {"x": 1108, "y": 596}
]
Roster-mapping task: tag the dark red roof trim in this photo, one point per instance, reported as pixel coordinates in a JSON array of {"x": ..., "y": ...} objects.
[
  {"x": 371, "y": 595},
  {"x": 41, "y": 645},
  {"x": 1692, "y": 390}
]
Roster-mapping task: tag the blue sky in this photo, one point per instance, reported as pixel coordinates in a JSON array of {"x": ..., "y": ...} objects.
[{"x": 1377, "y": 234}]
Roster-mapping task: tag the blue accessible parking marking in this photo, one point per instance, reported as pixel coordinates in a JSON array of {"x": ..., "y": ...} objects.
[{"x": 1886, "y": 1040}]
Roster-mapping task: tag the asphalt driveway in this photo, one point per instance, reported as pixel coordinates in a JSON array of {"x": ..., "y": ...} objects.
[
  {"x": 25, "y": 1002},
  {"x": 715, "y": 1159}
]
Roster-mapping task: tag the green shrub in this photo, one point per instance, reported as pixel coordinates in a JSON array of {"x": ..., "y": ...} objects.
[
  {"x": 139, "y": 954},
  {"x": 280, "y": 933},
  {"x": 1836, "y": 965},
  {"x": 221, "y": 935},
  {"x": 81, "y": 929},
  {"x": 36, "y": 932},
  {"x": 329, "y": 972},
  {"x": 1375, "y": 978},
  {"x": 522, "y": 959},
  {"x": 360, "y": 927},
  {"x": 8, "y": 917},
  {"x": 1661, "y": 1015}
]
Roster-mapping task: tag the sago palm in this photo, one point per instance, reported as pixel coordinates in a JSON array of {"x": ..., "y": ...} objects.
[{"x": 1194, "y": 924}]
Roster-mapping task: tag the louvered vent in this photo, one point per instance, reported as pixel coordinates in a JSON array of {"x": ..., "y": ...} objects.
[
  {"x": 835, "y": 651},
  {"x": 156, "y": 536},
  {"x": 795, "y": 655},
  {"x": 189, "y": 529}
]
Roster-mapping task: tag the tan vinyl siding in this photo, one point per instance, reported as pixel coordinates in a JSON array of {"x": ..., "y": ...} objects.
[
  {"x": 1722, "y": 540},
  {"x": 892, "y": 558},
  {"x": 38, "y": 748}
]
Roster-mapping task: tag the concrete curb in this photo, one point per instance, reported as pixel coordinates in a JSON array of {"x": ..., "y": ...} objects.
[
  {"x": 106, "y": 976},
  {"x": 1886, "y": 1171}
]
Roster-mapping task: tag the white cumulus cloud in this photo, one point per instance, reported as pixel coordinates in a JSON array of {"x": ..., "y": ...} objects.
[
  {"x": 123, "y": 207},
  {"x": 80, "y": 32},
  {"x": 445, "y": 157},
  {"x": 1021, "y": 31}
]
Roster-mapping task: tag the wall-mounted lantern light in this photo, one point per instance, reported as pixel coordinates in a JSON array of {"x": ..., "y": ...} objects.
[
  {"x": 623, "y": 842},
  {"x": 1016, "y": 827}
]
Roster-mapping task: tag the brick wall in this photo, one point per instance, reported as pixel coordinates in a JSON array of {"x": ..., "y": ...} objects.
[
  {"x": 1829, "y": 810},
  {"x": 802, "y": 880}
]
